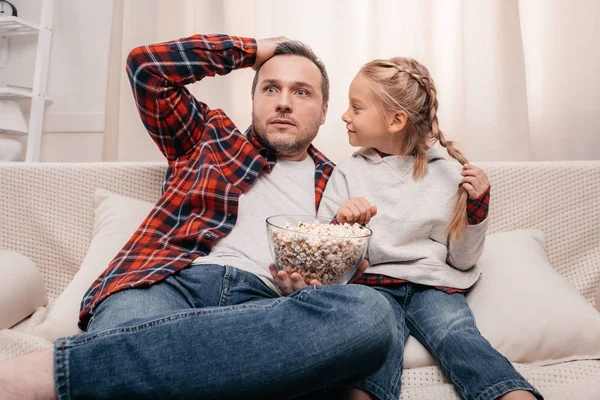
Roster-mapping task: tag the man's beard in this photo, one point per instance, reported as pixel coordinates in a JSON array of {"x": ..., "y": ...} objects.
[{"x": 276, "y": 142}]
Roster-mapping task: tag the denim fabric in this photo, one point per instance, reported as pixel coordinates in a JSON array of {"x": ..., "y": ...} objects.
[
  {"x": 214, "y": 332},
  {"x": 445, "y": 325}
]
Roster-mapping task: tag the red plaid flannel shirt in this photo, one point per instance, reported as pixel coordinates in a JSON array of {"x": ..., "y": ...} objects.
[
  {"x": 477, "y": 211},
  {"x": 211, "y": 163}
]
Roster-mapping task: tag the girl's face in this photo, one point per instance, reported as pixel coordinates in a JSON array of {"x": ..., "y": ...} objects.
[{"x": 367, "y": 127}]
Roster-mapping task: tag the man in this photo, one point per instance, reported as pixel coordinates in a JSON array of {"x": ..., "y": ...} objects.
[{"x": 189, "y": 308}]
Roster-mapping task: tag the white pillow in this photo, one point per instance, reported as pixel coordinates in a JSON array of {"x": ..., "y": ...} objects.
[
  {"x": 116, "y": 219},
  {"x": 526, "y": 309},
  {"x": 22, "y": 288}
]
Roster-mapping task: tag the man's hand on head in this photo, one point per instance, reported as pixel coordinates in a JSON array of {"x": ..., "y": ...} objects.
[{"x": 266, "y": 49}]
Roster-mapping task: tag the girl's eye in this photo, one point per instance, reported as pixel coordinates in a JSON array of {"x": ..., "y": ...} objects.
[{"x": 356, "y": 108}]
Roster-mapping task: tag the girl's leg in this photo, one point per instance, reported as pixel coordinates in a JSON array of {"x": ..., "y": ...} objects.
[
  {"x": 445, "y": 325},
  {"x": 385, "y": 383}
]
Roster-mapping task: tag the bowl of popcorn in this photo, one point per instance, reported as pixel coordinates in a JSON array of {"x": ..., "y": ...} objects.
[{"x": 317, "y": 248}]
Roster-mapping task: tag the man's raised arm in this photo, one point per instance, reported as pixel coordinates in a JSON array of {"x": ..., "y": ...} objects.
[{"x": 158, "y": 74}]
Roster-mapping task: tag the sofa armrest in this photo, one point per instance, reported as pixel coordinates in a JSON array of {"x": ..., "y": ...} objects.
[{"x": 22, "y": 288}]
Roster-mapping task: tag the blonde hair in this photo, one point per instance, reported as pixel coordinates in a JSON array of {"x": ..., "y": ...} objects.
[{"x": 404, "y": 84}]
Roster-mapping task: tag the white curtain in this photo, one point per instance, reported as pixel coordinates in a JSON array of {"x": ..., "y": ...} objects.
[{"x": 517, "y": 80}]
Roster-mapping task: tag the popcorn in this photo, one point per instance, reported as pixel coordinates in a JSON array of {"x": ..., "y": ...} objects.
[{"x": 326, "y": 252}]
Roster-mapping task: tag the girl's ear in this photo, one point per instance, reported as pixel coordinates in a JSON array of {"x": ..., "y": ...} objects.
[{"x": 398, "y": 121}]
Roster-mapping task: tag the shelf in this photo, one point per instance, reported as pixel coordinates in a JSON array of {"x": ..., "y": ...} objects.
[
  {"x": 8, "y": 92},
  {"x": 15, "y": 26},
  {"x": 11, "y": 92}
]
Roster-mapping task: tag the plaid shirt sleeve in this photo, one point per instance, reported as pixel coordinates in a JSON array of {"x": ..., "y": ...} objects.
[
  {"x": 158, "y": 74},
  {"x": 477, "y": 209}
]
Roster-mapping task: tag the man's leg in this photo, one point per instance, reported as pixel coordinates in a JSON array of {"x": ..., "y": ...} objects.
[
  {"x": 445, "y": 325},
  {"x": 193, "y": 287},
  {"x": 270, "y": 348},
  {"x": 31, "y": 376}
]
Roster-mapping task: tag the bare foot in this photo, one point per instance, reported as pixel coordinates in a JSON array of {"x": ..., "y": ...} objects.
[
  {"x": 518, "y": 395},
  {"x": 357, "y": 394},
  {"x": 29, "y": 377}
]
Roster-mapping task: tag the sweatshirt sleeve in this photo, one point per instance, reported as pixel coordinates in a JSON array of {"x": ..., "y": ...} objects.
[
  {"x": 464, "y": 252},
  {"x": 336, "y": 193}
]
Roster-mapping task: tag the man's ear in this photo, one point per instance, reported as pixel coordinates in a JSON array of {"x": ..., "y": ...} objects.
[
  {"x": 398, "y": 121},
  {"x": 324, "y": 113}
]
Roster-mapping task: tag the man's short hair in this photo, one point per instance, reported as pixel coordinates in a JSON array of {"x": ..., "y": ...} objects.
[{"x": 300, "y": 49}]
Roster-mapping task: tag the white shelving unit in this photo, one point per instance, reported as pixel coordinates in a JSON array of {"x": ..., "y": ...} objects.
[
  {"x": 15, "y": 93},
  {"x": 14, "y": 26}
]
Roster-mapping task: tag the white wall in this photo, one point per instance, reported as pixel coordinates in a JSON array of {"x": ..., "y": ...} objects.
[
  {"x": 74, "y": 120},
  {"x": 551, "y": 114},
  {"x": 517, "y": 79}
]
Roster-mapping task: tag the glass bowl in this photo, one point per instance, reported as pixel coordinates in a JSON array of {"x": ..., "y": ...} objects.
[{"x": 315, "y": 248}]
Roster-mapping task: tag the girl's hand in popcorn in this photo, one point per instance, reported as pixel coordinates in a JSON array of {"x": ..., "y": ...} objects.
[
  {"x": 357, "y": 209},
  {"x": 288, "y": 284}
]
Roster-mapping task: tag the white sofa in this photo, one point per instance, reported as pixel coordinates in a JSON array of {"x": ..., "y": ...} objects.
[{"x": 47, "y": 214}]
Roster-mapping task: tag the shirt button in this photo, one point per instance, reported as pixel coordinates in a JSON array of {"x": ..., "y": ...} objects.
[
  {"x": 229, "y": 215},
  {"x": 208, "y": 236},
  {"x": 247, "y": 178},
  {"x": 245, "y": 46}
]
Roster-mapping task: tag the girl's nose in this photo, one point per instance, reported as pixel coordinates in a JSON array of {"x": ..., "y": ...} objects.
[{"x": 345, "y": 117}]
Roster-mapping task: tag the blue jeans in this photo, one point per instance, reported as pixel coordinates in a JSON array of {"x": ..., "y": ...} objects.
[
  {"x": 214, "y": 332},
  {"x": 445, "y": 325}
]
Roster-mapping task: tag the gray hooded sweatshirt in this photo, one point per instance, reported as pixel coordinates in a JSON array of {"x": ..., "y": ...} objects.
[{"x": 408, "y": 239}]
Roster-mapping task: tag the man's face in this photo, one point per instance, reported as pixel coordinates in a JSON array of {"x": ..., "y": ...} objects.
[{"x": 287, "y": 104}]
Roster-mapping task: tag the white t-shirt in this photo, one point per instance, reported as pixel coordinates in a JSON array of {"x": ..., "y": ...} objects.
[{"x": 288, "y": 189}]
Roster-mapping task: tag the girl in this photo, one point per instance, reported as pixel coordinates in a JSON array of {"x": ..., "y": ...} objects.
[{"x": 424, "y": 250}]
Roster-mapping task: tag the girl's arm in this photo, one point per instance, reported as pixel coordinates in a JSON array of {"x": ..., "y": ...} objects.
[
  {"x": 464, "y": 252},
  {"x": 337, "y": 204},
  {"x": 335, "y": 194}
]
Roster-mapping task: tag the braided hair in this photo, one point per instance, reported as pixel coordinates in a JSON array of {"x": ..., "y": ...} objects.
[{"x": 404, "y": 84}]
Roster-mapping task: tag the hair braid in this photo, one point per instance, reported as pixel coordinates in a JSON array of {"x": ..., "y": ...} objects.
[{"x": 395, "y": 91}]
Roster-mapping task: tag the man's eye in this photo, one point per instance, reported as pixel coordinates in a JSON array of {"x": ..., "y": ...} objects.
[
  {"x": 270, "y": 89},
  {"x": 302, "y": 92}
]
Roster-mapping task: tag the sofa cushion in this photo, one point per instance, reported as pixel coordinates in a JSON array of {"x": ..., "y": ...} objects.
[
  {"x": 116, "y": 218},
  {"x": 525, "y": 308},
  {"x": 22, "y": 288},
  {"x": 521, "y": 304}
]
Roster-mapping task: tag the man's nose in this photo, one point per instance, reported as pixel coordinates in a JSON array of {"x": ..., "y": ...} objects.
[{"x": 284, "y": 103}]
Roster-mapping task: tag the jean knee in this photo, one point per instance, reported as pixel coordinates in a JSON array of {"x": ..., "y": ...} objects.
[{"x": 460, "y": 327}]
